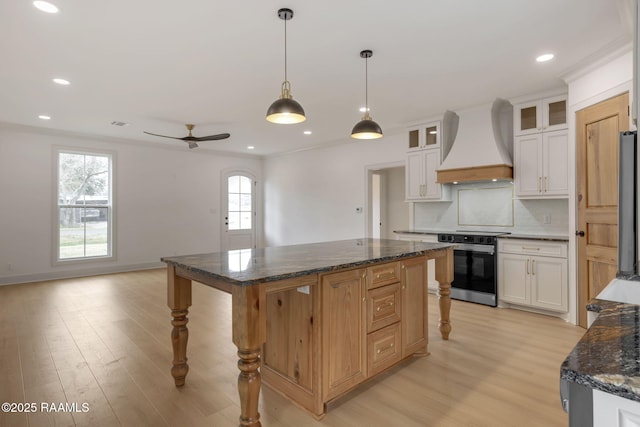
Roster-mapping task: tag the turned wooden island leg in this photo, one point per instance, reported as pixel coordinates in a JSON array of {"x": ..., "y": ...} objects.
[
  {"x": 249, "y": 333},
  {"x": 444, "y": 275},
  {"x": 179, "y": 301}
]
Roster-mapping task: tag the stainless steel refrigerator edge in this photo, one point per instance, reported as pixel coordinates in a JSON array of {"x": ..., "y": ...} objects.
[{"x": 627, "y": 206}]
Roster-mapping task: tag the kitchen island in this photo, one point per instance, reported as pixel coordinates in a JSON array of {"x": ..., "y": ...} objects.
[{"x": 317, "y": 319}]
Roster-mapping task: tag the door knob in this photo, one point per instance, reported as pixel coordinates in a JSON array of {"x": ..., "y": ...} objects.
[{"x": 580, "y": 233}]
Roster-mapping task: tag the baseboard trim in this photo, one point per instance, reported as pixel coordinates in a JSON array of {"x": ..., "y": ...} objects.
[{"x": 69, "y": 274}]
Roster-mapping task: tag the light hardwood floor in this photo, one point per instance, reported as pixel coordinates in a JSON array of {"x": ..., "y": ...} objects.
[{"x": 105, "y": 340}]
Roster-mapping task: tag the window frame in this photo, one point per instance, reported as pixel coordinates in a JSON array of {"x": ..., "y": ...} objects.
[
  {"x": 56, "y": 206},
  {"x": 257, "y": 225},
  {"x": 240, "y": 211}
]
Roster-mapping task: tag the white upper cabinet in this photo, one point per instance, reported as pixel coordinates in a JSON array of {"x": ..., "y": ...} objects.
[
  {"x": 541, "y": 148},
  {"x": 424, "y": 157},
  {"x": 427, "y": 145},
  {"x": 543, "y": 115},
  {"x": 421, "y": 175},
  {"x": 541, "y": 165}
]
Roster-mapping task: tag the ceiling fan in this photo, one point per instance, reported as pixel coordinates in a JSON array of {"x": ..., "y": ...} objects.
[{"x": 192, "y": 140}]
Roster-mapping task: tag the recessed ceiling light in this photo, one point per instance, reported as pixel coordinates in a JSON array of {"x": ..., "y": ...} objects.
[
  {"x": 307, "y": 132},
  {"x": 44, "y": 117},
  {"x": 250, "y": 147},
  {"x": 544, "y": 58},
  {"x": 455, "y": 182},
  {"x": 494, "y": 180},
  {"x": 45, "y": 6},
  {"x": 62, "y": 82}
]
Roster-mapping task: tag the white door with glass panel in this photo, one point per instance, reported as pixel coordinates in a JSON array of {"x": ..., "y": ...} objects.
[{"x": 238, "y": 209}]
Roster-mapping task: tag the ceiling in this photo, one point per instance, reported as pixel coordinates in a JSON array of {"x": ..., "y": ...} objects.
[{"x": 157, "y": 65}]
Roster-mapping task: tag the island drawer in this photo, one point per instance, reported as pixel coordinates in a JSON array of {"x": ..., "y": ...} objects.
[
  {"x": 383, "y": 274},
  {"x": 383, "y": 348},
  {"x": 383, "y": 306}
]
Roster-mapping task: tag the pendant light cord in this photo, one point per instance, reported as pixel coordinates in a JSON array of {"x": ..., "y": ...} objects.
[
  {"x": 285, "y": 50},
  {"x": 366, "y": 86}
]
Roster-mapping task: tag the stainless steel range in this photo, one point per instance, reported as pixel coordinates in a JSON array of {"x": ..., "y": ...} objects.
[{"x": 474, "y": 266}]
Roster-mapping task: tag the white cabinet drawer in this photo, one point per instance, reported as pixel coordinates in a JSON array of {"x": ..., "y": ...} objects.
[{"x": 532, "y": 247}]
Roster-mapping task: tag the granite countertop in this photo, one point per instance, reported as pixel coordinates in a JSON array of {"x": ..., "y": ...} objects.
[
  {"x": 554, "y": 237},
  {"x": 432, "y": 231},
  {"x": 607, "y": 357},
  {"x": 251, "y": 266}
]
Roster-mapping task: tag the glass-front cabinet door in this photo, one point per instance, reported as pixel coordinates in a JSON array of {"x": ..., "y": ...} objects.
[
  {"x": 426, "y": 135},
  {"x": 528, "y": 118},
  {"x": 554, "y": 113},
  {"x": 544, "y": 115}
]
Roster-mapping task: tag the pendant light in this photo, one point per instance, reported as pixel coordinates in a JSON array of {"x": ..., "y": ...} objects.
[
  {"x": 285, "y": 110},
  {"x": 366, "y": 128}
]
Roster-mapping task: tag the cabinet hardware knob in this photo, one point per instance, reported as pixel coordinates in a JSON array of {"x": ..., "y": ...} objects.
[
  {"x": 380, "y": 350},
  {"x": 385, "y": 305},
  {"x": 580, "y": 233}
]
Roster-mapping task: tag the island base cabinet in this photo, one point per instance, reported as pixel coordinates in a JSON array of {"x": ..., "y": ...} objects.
[
  {"x": 291, "y": 353},
  {"x": 414, "y": 306},
  {"x": 327, "y": 333},
  {"x": 343, "y": 325}
]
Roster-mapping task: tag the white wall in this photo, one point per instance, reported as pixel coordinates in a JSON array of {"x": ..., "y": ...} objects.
[
  {"x": 312, "y": 196},
  {"x": 167, "y": 202}
]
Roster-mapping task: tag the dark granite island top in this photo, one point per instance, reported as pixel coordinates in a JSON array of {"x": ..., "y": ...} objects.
[
  {"x": 333, "y": 283},
  {"x": 251, "y": 266},
  {"x": 607, "y": 357}
]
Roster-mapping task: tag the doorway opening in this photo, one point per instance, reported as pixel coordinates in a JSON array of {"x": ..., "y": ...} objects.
[{"x": 387, "y": 210}]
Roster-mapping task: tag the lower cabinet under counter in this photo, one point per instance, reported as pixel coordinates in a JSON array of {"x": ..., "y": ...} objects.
[
  {"x": 532, "y": 274},
  {"x": 327, "y": 333}
]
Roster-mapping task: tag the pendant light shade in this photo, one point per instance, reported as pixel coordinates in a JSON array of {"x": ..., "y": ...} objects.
[
  {"x": 366, "y": 128},
  {"x": 285, "y": 110}
]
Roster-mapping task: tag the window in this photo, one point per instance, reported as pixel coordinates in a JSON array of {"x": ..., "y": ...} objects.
[
  {"x": 84, "y": 205},
  {"x": 240, "y": 205}
]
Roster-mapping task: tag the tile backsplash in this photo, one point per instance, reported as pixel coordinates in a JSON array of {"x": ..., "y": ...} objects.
[{"x": 471, "y": 213}]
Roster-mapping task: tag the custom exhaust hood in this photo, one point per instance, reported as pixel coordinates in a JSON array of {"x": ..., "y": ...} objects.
[{"x": 483, "y": 147}]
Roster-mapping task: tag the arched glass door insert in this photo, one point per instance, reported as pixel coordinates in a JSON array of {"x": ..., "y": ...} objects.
[{"x": 239, "y": 212}]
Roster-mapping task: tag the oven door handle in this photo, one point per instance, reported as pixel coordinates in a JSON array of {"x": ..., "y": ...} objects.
[{"x": 488, "y": 249}]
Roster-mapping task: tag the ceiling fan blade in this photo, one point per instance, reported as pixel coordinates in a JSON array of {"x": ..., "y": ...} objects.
[
  {"x": 213, "y": 137},
  {"x": 164, "y": 136}
]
